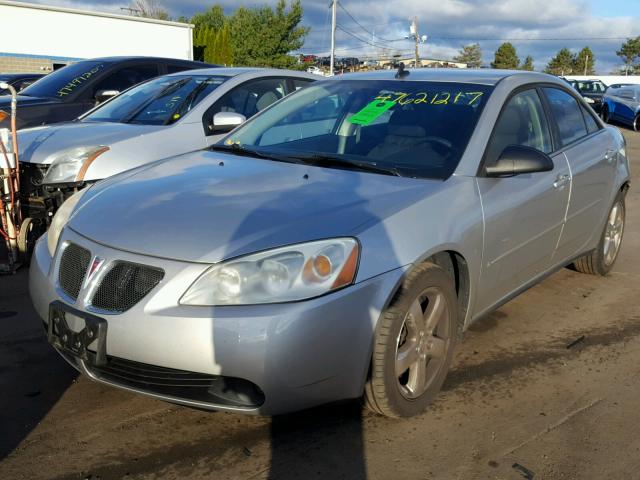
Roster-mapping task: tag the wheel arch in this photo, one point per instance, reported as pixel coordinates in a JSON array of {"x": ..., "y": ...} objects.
[{"x": 455, "y": 263}]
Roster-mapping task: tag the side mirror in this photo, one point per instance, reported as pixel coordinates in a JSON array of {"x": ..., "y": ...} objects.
[
  {"x": 226, "y": 121},
  {"x": 102, "y": 95},
  {"x": 519, "y": 159}
]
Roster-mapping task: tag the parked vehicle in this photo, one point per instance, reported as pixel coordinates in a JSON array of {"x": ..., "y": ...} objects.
[
  {"x": 592, "y": 91},
  {"x": 159, "y": 118},
  {"x": 336, "y": 244},
  {"x": 19, "y": 81},
  {"x": 72, "y": 90},
  {"x": 622, "y": 104}
]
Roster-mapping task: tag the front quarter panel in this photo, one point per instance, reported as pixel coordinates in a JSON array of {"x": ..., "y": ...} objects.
[{"x": 449, "y": 219}]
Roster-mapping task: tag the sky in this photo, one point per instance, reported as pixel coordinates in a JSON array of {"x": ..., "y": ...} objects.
[{"x": 536, "y": 27}]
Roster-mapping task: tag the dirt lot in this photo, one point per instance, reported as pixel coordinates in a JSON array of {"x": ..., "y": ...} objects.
[{"x": 519, "y": 403}]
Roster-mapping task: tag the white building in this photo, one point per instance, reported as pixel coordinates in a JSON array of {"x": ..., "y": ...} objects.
[{"x": 38, "y": 38}]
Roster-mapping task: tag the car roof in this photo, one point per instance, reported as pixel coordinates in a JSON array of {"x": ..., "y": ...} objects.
[
  {"x": 234, "y": 71},
  {"x": 20, "y": 75},
  {"x": 127, "y": 58},
  {"x": 463, "y": 75}
]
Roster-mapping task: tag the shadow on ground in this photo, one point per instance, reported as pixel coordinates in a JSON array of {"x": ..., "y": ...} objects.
[{"x": 32, "y": 375}]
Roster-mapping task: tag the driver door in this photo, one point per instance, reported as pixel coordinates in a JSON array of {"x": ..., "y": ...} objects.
[{"x": 523, "y": 214}]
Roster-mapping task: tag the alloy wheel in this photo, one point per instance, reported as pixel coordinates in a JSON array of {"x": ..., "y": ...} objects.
[{"x": 423, "y": 342}]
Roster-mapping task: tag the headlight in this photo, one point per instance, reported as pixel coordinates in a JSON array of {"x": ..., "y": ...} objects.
[
  {"x": 71, "y": 164},
  {"x": 60, "y": 219},
  {"x": 588, "y": 100},
  {"x": 286, "y": 274}
]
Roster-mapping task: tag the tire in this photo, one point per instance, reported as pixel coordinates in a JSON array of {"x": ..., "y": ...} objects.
[
  {"x": 636, "y": 123},
  {"x": 605, "y": 114},
  {"x": 425, "y": 345},
  {"x": 601, "y": 260}
]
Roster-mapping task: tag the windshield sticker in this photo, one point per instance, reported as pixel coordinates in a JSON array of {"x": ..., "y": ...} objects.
[
  {"x": 370, "y": 112},
  {"x": 79, "y": 80},
  {"x": 441, "y": 98}
]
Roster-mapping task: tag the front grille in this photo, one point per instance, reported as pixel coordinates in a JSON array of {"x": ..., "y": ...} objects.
[
  {"x": 125, "y": 285},
  {"x": 182, "y": 384},
  {"x": 73, "y": 268}
]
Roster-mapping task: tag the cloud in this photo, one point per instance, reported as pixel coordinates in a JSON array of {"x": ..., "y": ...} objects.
[{"x": 449, "y": 24}]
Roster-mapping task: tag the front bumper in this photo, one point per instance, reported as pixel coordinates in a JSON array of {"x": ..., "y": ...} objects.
[{"x": 298, "y": 354}]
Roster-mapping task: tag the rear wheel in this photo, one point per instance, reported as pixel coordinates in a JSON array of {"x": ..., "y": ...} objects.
[
  {"x": 601, "y": 260},
  {"x": 636, "y": 123},
  {"x": 414, "y": 344}
]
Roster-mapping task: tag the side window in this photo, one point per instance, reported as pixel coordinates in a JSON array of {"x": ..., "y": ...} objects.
[
  {"x": 299, "y": 83},
  {"x": 568, "y": 115},
  {"x": 248, "y": 99},
  {"x": 522, "y": 122},
  {"x": 592, "y": 125},
  {"x": 127, "y": 77}
]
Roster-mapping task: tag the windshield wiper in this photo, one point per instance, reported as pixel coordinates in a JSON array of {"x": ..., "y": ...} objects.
[
  {"x": 323, "y": 160},
  {"x": 246, "y": 152}
]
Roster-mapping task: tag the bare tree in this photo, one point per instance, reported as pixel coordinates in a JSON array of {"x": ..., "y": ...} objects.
[{"x": 149, "y": 9}]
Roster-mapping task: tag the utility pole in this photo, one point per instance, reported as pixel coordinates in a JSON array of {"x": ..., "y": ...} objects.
[
  {"x": 416, "y": 36},
  {"x": 334, "y": 13},
  {"x": 586, "y": 62}
]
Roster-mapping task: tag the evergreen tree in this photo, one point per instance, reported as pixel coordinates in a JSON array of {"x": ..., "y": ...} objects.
[
  {"x": 561, "y": 64},
  {"x": 584, "y": 63},
  {"x": 630, "y": 52},
  {"x": 471, "y": 55},
  {"x": 528, "y": 64},
  {"x": 506, "y": 57}
]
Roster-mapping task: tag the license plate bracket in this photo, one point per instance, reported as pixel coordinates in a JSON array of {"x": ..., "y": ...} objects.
[{"x": 76, "y": 343}]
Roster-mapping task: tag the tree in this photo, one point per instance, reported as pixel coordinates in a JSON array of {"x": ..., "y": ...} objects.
[
  {"x": 584, "y": 63},
  {"x": 506, "y": 57},
  {"x": 264, "y": 36},
  {"x": 213, "y": 18},
  {"x": 629, "y": 52},
  {"x": 149, "y": 9},
  {"x": 528, "y": 64},
  {"x": 561, "y": 64},
  {"x": 471, "y": 55}
]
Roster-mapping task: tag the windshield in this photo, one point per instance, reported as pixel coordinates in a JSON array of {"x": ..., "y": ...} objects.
[
  {"x": 160, "y": 101},
  {"x": 65, "y": 81},
  {"x": 592, "y": 87},
  {"x": 410, "y": 128}
]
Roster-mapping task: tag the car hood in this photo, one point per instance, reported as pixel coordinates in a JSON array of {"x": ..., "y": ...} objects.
[
  {"x": 37, "y": 144},
  {"x": 208, "y": 206}
]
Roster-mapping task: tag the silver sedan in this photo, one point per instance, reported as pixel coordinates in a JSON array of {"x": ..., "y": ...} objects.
[{"x": 336, "y": 245}]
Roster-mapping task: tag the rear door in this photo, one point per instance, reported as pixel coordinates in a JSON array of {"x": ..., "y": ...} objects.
[
  {"x": 523, "y": 214},
  {"x": 589, "y": 151}
]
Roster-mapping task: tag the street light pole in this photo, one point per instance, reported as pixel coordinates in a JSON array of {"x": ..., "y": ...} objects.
[{"x": 416, "y": 36}]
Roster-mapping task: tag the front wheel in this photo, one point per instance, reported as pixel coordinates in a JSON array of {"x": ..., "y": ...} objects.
[
  {"x": 636, "y": 123},
  {"x": 605, "y": 114},
  {"x": 600, "y": 261},
  {"x": 414, "y": 344}
]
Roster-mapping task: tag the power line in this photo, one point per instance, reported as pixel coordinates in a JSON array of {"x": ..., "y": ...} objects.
[
  {"x": 360, "y": 39},
  {"x": 357, "y": 22}
]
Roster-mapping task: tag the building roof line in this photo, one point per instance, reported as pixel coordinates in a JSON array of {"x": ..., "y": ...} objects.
[{"x": 92, "y": 13}]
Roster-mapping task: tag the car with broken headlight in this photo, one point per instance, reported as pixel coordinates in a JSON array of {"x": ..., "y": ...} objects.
[
  {"x": 336, "y": 245},
  {"x": 159, "y": 118}
]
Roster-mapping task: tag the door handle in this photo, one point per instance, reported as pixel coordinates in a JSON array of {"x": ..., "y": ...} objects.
[{"x": 561, "y": 181}]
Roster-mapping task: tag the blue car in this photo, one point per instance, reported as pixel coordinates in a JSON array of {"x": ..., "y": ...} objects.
[{"x": 622, "y": 104}]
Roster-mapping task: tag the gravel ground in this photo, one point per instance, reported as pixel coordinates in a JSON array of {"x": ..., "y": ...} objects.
[{"x": 519, "y": 402}]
